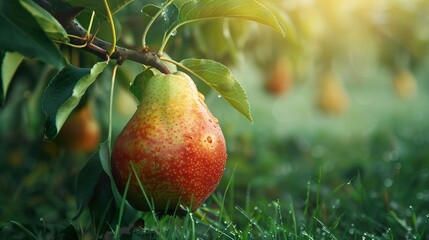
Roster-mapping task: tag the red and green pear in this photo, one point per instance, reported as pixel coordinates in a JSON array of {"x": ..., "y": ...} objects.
[{"x": 173, "y": 144}]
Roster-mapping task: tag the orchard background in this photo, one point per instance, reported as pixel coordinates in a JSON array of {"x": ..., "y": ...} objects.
[{"x": 324, "y": 114}]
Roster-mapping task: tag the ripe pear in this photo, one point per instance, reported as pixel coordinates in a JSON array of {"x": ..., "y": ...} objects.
[
  {"x": 81, "y": 131},
  {"x": 279, "y": 80},
  {"x": 405, "y": 84},
  {"x": 174, "y": 144},
  {"x": 332, "y": 97}
]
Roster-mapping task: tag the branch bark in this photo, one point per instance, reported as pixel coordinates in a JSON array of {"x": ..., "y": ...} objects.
[{"x": 98, "y": 46}]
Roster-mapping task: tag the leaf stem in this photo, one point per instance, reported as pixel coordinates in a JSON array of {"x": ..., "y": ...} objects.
[
  {"x": 88, "y": 34},
  {"x": 166, "y": 38},
  {"x": 146, "y": 30},
  {"x": 112, "y": 90},
  {"x": 112, "y": 27},
  {"x": 170, "y": 33}
]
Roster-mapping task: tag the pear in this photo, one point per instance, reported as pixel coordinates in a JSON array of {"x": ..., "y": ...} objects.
[
  {"x": 279, "y": 80},
  {"x": 405, "y": 84},
  {"x": 332, "y": 96},
  {"x": 175, "y": 146},
  {"x": 81, "y": 131}
]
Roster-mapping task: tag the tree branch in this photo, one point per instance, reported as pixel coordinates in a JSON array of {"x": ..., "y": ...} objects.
[{"x": 98, "y": 46}]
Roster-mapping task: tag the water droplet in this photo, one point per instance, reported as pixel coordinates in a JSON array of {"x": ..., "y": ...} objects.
[
  {"x": 164, "y": 16},
  {"x": 173, "y": 33},
  {"x": 388, "y": 182},
  {"x": 398, "y": 166},
  {"x": 209, "y": 139},
  {"x": 219, "y": 96}
]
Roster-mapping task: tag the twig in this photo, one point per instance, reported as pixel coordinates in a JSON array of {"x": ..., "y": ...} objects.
[{"x": 98, "y": 46}]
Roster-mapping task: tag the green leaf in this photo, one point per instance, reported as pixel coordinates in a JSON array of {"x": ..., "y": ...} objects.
[
  {"x": 163, "y": 24},
  {"x": 86, "y": 182},
  {"x": 220, "y": 78},
  {"x": 191, "y": 11},
  {"x": 151, "y": 10},
  {"x": 104, "y": 153},
  {"x": 22, "y": 33},
  {"x": 49, "y": 24},
  {"x": 136, "y": 88},
  {"x": 9, "y": 65},
  {"x": 98, "y": 5},
  {"x": 284, "y": 20},
  {"x": 102, "y": 206},
  {"x": 64, "y": 93},
  {"x": 24, "y": 229}
]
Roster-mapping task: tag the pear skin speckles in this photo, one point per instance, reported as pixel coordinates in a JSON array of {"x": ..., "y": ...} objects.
[{"x": 175, "y": 144}]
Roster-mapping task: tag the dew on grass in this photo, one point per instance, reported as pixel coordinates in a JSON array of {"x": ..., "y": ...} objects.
[
  {"x": 337, "y": 204},
  {"x": 398, "y": 166},
  {"x": 388, "y": 182},
  {"x": 374, "y": 194},
  {"x": 390, "y": 156},
  {"x": 424, "y": 175},
  {"x": 369, "y": 235},
  {"x": 387, "y": 233},
  {"x": 352, "y": 229}
]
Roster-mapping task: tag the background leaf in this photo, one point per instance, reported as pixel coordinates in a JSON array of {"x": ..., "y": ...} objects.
[
  {"x": 220, "y": 78},
  {"x": 86, "y": 182},
  {"x": 68, "y": 233},
  {"x": 162, "y": 25},
  {"x": 190, "y": 11},
  {"x": 49, "y": 24},
  {"x": 22, "y": 33},
  {"x": 150, "y": 10},
  {"x": 64, "y": 93},
  {"x": 102, "y": 206},
  {"x": 9, "y": 64},
  {"x": 98, "y": 5}
]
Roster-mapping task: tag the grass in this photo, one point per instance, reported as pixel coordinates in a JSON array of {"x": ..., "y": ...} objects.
[{"x": 382, "y": 196}]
